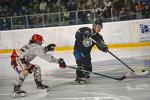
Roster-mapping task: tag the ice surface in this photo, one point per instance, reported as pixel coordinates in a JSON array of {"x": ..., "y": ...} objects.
[{"x": 99, "y": 88}]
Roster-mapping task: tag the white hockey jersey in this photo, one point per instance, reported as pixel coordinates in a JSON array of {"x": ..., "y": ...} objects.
[{"x": 31, "y": 50}]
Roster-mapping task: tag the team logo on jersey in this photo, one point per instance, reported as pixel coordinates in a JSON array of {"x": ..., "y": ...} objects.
[
  {"x": 87, "y": 42},
  {"x": 87, "y": 33}
]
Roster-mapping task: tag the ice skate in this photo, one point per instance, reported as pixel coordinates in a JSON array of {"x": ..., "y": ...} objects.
[
  {"x": 80, "y": 81},
  {"x": 87, "y": 78},
  {"x": 41, "y": 87},
  {"x": 18, "y": 92}
]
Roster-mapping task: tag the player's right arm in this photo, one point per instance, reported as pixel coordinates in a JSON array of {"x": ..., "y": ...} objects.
[
  {"x": 39, "y": 51},
  {"x": 78, "y": 46}
]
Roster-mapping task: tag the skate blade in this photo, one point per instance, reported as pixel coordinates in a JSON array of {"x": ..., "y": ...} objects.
[
  {"x": 43, "y": 90},
  {"x": 79, "y": 83},
  {"x": 17, "y": 95}
]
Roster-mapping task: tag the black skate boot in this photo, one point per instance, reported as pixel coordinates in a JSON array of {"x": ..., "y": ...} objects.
[
  {"x": 87, "y": 78},
  {"x": 80, "y": 81},
  {"x": 18, "y": 92},
  {"x": 41, "y": 86}
]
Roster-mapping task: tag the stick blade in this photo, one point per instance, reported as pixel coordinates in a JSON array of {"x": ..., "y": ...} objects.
[
  {"x": 143, "y": 72},
  {"x": 122, "y": 78},
  {"x": 127, "y": 75}
]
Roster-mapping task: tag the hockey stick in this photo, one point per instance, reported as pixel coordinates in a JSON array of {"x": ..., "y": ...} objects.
[
  {"x": 119, "y": 79},
  {"x": 142, "y": 72}
]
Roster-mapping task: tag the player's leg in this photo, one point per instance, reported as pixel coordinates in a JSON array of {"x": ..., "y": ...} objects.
[
  {"x": 19, "y": 67},
  {"x": 80, "y": 63},
  {"x": 88, "y": 67},
  {"x": 37, "y": 76},
  {"x": 86, "y": 74},
  {"x": 79, "y": 75}
]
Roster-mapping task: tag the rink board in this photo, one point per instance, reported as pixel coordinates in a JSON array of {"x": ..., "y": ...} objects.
[{"x": 114, "y": 33}]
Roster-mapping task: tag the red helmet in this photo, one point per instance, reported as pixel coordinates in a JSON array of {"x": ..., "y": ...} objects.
[{"x": 37, "y": 38}]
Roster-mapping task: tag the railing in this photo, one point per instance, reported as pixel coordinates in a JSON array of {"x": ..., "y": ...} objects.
[{"x": 62, "y": 19}]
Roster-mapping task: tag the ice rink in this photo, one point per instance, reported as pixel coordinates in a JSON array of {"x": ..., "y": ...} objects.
[{"x": 100, "y": 88}]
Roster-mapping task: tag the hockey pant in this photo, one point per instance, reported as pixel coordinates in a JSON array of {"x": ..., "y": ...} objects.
[
  {"x": 83, "y": 61},
  {"x": 23, "y": 69}
]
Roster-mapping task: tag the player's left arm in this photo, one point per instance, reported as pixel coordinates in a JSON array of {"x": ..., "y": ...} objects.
[
  {"x": 99, "y": 42},
  {"x": 42, "y": 54}
]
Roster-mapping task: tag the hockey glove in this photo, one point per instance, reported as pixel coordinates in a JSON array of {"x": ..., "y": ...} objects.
[
  {"x": 49, "y": 47},
  {"x": 62, "y": 63},
  {"x": 104, "y": 48}
]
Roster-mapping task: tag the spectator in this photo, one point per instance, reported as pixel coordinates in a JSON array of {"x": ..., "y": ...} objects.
[
  {"x": 89, "y": 4},
  {"x": 115, "y": 15},
  {"x": 5, "y": 25},
  {"x": 118, "y": 4},
  {"x": 42, "y": 6},
  {"x": 104, "y": 9},
  {"x": 123, "y": 14},
  {"x": 146, "y": 12},
  {"x": 100, "y": 12},
  {"x": 71, "y": 5},
  {"x": 89, "y": 18},
  {"x": 108, "y": 5},
  {"x": 138, "y": 12},
  {"x": 83, "y": 17},
  {"x": 84, "y": 5}
]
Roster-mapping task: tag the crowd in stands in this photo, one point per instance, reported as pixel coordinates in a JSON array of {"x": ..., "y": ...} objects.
[{"x": 102, "y": 8}]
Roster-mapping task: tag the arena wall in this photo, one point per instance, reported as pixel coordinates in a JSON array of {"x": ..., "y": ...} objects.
[{"x": 116, "y": 34}]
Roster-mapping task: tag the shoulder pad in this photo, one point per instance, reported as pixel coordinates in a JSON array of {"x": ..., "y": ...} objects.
[{"x": 83, "y": 29}]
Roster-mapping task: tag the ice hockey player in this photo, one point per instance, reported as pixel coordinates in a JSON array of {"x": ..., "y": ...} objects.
[
  {"x": 20, "y": 61},
  {"x": 86, "y": 38}
]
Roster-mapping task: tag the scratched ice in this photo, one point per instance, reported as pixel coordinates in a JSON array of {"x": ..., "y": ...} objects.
[{"x": 99, "y": 88}]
